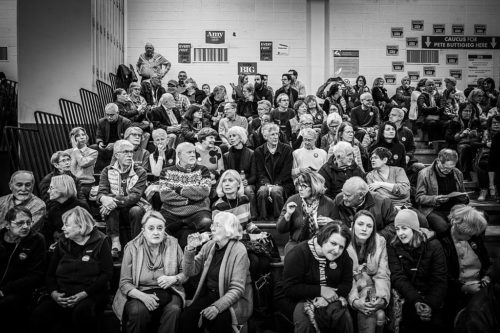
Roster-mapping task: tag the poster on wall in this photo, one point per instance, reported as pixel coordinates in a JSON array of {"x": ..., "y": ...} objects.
[
  {"x": 247, "y": 68},
  {"x": 457, "y": 29},
  {"x": 215, "y": 37},
  {"x": 438, "y": 29},
  {"x": 392, "y": 50},
  {"x": 266, "y": 51},
  {"x": 397, "y": 32},
  {"x": 283, "y": 49},
  {"x": 411, "y": 41},
  {"x": 479, "y": 29},
  {"x": 390, "y": 78},
  {"x": 346, "y": 63},
  {"x": 429, "y": 70},
  {"x": 452, "y": 59},
  {"x": 414, "y": 75},
  {"x": 184, "y": 56},
  {"x": 398, "y": 66},
  {"x": 438, "y": 83},
  {"x": 417, "y": 25},
  {"x": 456, "y": 73},
  {"x": 479, "y": 66}
]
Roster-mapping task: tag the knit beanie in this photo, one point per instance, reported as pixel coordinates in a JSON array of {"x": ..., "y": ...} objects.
[
  {"x": 407, "y": 218},
  {"x": 130, "y": 130}
]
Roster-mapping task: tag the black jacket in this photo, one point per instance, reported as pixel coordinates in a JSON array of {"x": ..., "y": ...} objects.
[
  {"x": 396, "y": 148},
  {"x": 263, "y": 94},
  {"x": 256, "y": 139},
  {"x": 335, "y": 177},
  {"x": 147, "y": 92},
  {"x": 74, "y": 268},
  {"x": 26, "y": 268},
  {"x": 278, "y": 172},
  {"x": 247, "y": 163},
  {"x": 158, "y": 116},
  {"x": 293, "y": 96},
  {"x": 102, "y": 134},
  {"x": 419, "y": 274},
  {"x": 247, "y": 109},
  {"x": 199, "y": 95}
]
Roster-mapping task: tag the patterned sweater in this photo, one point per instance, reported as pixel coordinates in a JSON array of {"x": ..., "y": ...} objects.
[{"x": 185, "y": 192}]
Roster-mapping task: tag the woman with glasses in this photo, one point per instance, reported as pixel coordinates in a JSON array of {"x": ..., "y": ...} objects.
[
  {"x": 305, "y": 122},
  {"x": 345, "y": 133},
  {"x": 307, "y": 211},
  {"x": 223, "y": 299},
  {"x": 22, "y": 267}
]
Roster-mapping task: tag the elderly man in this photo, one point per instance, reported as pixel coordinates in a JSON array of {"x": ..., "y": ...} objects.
[
  {"x": 152, "y": 63},
  {"x": 141, "y": 155},
  {"x": 309, "y": 156},
  {"x": 340, "y": 167},
  {"x": 365, "y": 118},
  {"x": 403, "y": 94},
  {"x": 21, "y": 186},
  {"x": 287, "y": 89},
  {"x": 274, "y": 172},
  {"x": 167, "y": 117},
  {"x": 297, "y": 85},
  {"x": 355, "y": 196},
  {"x": 109, "y": 130},
  {"x": 184, "y": 190},
  {"x": 152, "y": 90},
  {"x": 434, "y": 185},
  {"x": 121, "y": 187},
  {"x": 230, "y": 120}
]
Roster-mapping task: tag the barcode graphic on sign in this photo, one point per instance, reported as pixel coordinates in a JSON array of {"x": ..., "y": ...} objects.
[
  {"x": 209, "y": 54},
  {"x": 422, "y": 56}
]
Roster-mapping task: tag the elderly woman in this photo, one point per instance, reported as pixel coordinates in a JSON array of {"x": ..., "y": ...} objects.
[
  {"x": 22, "y": 267},
  {"x": 418, "y": 273},
  {"x": 77, "y": 278},
  {"x": 304, "y": 213},
  {"x": 62, "y": 192},
  {"x": 163, "y": 156},
  {"x": 192, "y": 123},
  {"x": 340, "y": 167},
  {"x": 83, "y": 160},
  {"x": 308, "y": 156},
  {"x": 208, "y": 154},
  {"x": 387, "y": 137},
  {"x": 223, "y": 298},
  {"x": 468, "y": 261},
  {"x": 371, "y": 290},
  {"x": 332, "y": 123},
  {"x": 150, "y": 279},
  {"x": 317, "y": 279},
  {"x": 345, "y": 132},
  {"x": 241, "y": 158}
]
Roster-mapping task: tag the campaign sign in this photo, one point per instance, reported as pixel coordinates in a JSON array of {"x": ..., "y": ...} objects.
[
  {"x": 247, "y": 68},
  {"x": 411, "y": 41},
  {"x": 390, "y": 78},
  {"x": 396, "y": 32},
  {"x": 266, "y": 51},
  {"x": 457, "y": 29},
  {"x": 456, "y": 73},
  {"x": 438, "y": 29},
  {"x": 184, "y": 53},
  {"x": 417, "y": 25},
  {"x": 479, "y": 29},
  {"x": 215, "y": 37}
]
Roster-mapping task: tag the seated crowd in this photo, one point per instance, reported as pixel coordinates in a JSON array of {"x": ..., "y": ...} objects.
[{"x": 377, "y": 240}]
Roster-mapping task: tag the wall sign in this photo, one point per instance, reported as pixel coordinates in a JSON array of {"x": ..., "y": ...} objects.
[
  {"x": 417, "y": 25},
  {"x": 456, "y": 73},
  {"x": 438, "y": 83},
  {"x": 459, "y": 42},
  {"x": 478, "y": 66},
  {"x": 283, "y": 49},
  {"x": 215, "y": 37},
  {"x": 392, "y": 50},
  {"x": 438, "y": 29},
  {"x": 429, "y": 70},
  {"x": 346, "y": 62},
  {"x": 266, "y": 51},
  {"x": 411, "y": 42},
  {"x": 398, "y": 66},
  {"x": 452, "y": 59},
  {"x": 184, "y": 56},
  {"x": 457, "y": 29},
  {"x": 390, "y": 78},
  {"x": 414, "y": 75},
  {"x": 479, "y": 29},
  {"x": 247, "y": 68},
  {"x": 397, "y": 32}
]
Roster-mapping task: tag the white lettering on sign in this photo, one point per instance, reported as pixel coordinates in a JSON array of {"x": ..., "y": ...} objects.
[{"x": 214, "y": 34}]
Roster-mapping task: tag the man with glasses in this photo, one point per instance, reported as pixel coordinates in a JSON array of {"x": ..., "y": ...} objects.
[
  {"x": 109, "y": 130},
  {"x": 121, "y": 187},
  {"x": 22, "y": 267},
  {"x": 355, "y": 196},
  {"x": 21, "y": 185},
  {"x": 141, "y": 155},
  {"x": 434, "y": 184},
  {"x": 365, "y": 119},
  {"x": 293, "y": 95},
  {"x": 309, "y": 156},
  {"x": 297, "y": 85}
]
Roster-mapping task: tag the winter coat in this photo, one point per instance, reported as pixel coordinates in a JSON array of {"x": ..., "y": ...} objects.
[
  {"x": 278, "y": 172},
  {"x": 335, "y": 177}
]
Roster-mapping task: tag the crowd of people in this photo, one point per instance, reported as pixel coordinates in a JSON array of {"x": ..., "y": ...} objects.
[{"x": 377, "y": 240}]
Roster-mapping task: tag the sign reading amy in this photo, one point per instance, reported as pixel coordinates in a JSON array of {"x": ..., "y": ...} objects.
[
  {"x": 429, "y": 70},
  {"x": 248, "y": 68},
  {"x": 392, "y": 50},
  {"x": 215, "y": 37},
  {"x": 460, "y": 42},
  {"x": 184, "y": 56},
  {"x": 266, "y": 51}
]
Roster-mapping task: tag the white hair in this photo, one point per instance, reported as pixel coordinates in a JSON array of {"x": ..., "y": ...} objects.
[
  {"x": 333, "y": 117},
  {"x": 165, "y": 97},
  {"x": 240, "y": 131},
  {"x": 364, "y": 96},
  {"x": 120, "y": 144},
  {"x": 357, "y": 184},
  {"x": 343, "y": 148},
  {"x": 305, "y": 117}
]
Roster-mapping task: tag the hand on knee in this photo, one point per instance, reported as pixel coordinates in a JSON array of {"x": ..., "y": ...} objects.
[{"x": 380, "y": 317}]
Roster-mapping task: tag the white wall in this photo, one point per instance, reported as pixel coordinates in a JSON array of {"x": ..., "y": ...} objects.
[{"x": 8, "y": 37}]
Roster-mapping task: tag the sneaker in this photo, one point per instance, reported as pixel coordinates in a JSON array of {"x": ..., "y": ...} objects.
[
  {"x": 493, "y": 192},
  {"x": 482, "y": 195}
]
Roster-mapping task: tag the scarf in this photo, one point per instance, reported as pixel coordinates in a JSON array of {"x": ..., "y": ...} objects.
[
  {"x": 309, "y": 213},
  {"x": 155, "y": 263}
]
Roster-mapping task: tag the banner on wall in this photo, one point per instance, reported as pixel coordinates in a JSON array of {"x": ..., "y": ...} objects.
[
  {"x": 266, "y": 51},
  {"x": 247, "y": 68},
  {"x": 215, "y": 37},
  {"x": 479, "y": 66},
  {"x": 398, "y": 66},
  {"x": 184, "y": 56},
  {"x": 460, "y": 42},
  {"x": 457, "y": 29},
  {"x": 392, "y": 50},
  {"x": 429, "y": 70},
  {"x": 417, "y": 25},
  {"x": 414, "y": 75},
  {"x": 346, "y": 63},
  {"x": 396, "y": 32},
  {"x": 456, "y": 73},
  {"x": 390, "y": 78},
  {"x": 411, "y": 42}
]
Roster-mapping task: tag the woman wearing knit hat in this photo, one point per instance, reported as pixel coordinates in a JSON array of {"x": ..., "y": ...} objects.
[{"x": 418, "y": 272}]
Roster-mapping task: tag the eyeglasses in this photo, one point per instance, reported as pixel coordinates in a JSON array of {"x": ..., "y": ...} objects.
[
  {"x": 126, "y": 152},
  {"x": 135, "y": 134},
  {"x": 111, "y": 115},
  {"x": 64, "y": 160},
  {"x": 303, "y": 186},
  {"x": 20, "y": 224}
]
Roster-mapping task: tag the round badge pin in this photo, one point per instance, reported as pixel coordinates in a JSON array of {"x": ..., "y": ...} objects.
[
  {"x": 170, "y": 161},
  {"x": 371, "y": 113},
  {"x": 403, "y": 139},
  {"x": 396, "y": 156},
  {"x": 333, "y": 265},
  {"x": 23, "y": 256},
  {"x": 315, "y": 155},
  {"x": 85, "y": 258}
]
